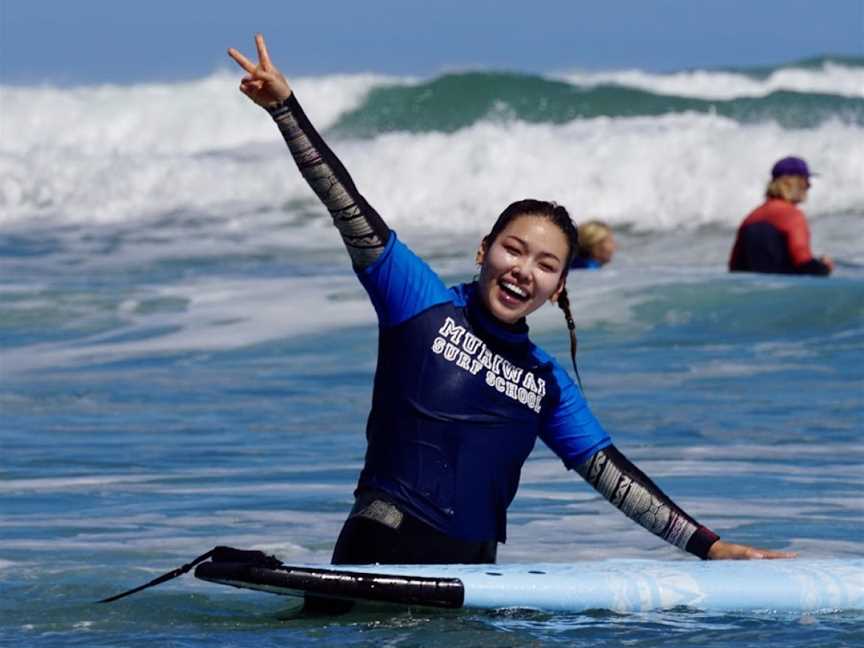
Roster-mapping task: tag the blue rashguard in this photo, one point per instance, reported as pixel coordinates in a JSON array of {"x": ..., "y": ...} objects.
[{"x": 459, "y": 401}]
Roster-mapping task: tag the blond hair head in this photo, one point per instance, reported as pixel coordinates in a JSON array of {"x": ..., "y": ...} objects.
[
  {"x": 592, "y": 233},
  {"x": 785, "y": 187},
  {"x": 791, "y": 188}
]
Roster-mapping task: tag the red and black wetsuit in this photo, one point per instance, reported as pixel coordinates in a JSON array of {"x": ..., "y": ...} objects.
[{"x": 775, "y": 238}]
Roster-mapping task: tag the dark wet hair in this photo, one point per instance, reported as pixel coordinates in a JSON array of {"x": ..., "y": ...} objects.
[{"x": 557, "y": 214}]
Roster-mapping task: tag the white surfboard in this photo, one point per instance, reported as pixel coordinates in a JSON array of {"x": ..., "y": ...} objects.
[{"x": 619, "y": 585}]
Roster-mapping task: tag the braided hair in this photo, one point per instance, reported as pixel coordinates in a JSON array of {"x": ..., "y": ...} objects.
[{"x": 557, "y": 215}]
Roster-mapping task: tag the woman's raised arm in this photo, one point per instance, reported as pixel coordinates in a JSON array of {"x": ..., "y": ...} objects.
[{"x": 363, "y": 231}]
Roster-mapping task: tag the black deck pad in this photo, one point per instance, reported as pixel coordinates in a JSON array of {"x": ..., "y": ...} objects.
[{"x": 335, "y": 583}]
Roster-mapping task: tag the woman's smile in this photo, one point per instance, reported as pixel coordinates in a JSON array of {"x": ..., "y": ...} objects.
[{"x": 522, "y": 268}]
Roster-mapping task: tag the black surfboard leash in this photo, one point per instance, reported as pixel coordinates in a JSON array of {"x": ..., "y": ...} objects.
[{"x": 217, "y": 554}]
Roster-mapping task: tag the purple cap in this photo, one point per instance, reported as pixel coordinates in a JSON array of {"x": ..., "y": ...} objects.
[{"x": 792, "y": 166}]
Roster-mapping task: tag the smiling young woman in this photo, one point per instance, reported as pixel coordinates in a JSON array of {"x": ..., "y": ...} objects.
[
  {"x": 522, "y": 267},
  {"x": 461, "y": 393}
]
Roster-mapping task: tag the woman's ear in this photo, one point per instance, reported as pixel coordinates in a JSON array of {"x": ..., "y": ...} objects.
[
  {"x": 481, "y": 253},
  {"x": 553, "y": 298}
]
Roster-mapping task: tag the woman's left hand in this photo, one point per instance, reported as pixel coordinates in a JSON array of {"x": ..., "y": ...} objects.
[
  {"x": 264, "y": 83},
  {"x": 729, "y": 551}
]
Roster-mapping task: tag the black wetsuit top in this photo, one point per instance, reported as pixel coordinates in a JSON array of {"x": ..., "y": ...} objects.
[{"x": 459, "y": 400}]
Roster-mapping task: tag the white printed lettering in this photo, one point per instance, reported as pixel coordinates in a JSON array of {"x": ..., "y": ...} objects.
[
  {"x": 451, "y": 330},
  {"x": 450, "y": 352},
  {"x": 515, "y": 383},
  {"x": 471, "y": 343}
]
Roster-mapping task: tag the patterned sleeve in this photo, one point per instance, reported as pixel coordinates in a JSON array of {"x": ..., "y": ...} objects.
[
  {"x": 363, "y": 231},
  {"x": 635, "y": 495}
]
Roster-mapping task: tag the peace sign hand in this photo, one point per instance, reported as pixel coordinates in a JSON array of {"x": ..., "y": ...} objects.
[{"x": 264, "y": 83}]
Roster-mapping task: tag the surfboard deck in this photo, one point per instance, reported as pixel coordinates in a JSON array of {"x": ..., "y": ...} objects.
[{"x": 618, "y": 585}]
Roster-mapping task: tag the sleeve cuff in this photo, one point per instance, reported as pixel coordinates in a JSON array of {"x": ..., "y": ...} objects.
[
  {"x": 814, "y": 267},
  {"x": 700, "y": 542},
  {"x": 288, "y": 105}
]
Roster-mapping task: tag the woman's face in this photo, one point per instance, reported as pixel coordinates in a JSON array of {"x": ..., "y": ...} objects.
[{"x": 522, "y": 268}]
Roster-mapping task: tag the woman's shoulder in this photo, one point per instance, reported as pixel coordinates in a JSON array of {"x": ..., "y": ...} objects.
[
  {"x": 554, "y": 368},
  {"x": 461, "y": 293}
]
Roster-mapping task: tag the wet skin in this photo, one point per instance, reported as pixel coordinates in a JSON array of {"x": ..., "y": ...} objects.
[{"x": 522, "y": 268}]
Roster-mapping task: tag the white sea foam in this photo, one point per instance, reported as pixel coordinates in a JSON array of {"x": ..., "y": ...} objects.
[
  {"x": 129, "y": 154},
  {"x": 90, "y": 482},
  {"x": 188, "y": 118},
  {"x": 220, "y": 314},
  {"x": 830, "y": 78},
  {"x": 68, "y": 483}
]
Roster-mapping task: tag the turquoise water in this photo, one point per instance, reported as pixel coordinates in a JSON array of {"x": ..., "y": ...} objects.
[
  {"x": 127, "y": 452},
  {"x": 186, "y": 359},
  {"x": 456, "y": 101}
]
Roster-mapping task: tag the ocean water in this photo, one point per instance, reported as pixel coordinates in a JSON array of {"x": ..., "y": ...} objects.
[{"x": 186, "y": 358}]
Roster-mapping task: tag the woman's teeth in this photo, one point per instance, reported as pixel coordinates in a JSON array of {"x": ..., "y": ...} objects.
[{"x": 514, "y": 290}]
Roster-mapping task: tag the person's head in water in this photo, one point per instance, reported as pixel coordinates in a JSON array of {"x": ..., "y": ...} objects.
[
  {"x": 790, "y": 180},
  {"x": 524, "y": 261},
  {"x": 596, "y": 242}
]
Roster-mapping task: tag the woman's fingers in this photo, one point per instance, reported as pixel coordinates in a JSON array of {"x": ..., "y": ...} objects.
[
  {"x": 771, "y": 555},
  {"x": 263, "y": 55},
  {"x": 767, "y": 554},
  {"x": 264, "y": 69},
  {"x": 242, "y": 61},
  {"x": 729, "y": 551},
  {"x": 263, "y": 83}
]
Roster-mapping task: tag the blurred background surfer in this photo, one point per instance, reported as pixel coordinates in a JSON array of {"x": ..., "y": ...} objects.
[{"x": 775, "y": 237}]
